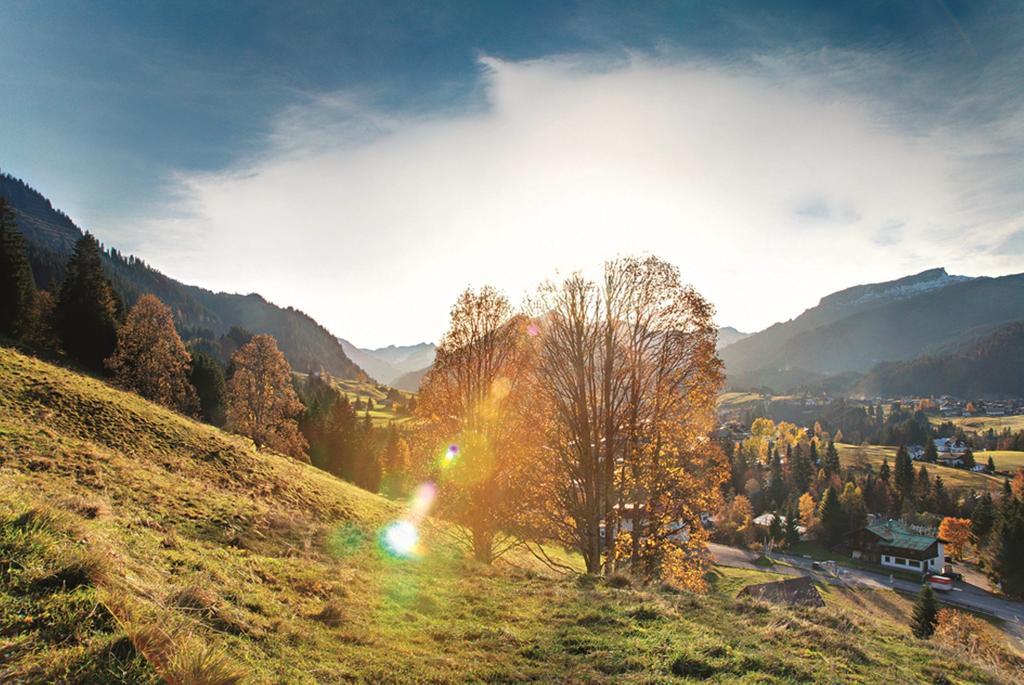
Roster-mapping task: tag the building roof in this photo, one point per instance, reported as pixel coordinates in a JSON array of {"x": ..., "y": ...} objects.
[
  {"x": 894, "y": 534},
  {"x": 791, "y": 592}
]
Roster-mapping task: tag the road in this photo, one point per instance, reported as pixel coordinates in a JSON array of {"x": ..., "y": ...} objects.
[{"x": 964, "y": 596}]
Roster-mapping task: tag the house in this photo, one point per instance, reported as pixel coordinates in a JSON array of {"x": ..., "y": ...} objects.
[
  {"x": 894, "y": 545},
  {"x": 765, "y": 521},
  {"x": 799, "y": 591},
  {"x": 916, "y": 452},
  {"x": 950, "y": 445}
]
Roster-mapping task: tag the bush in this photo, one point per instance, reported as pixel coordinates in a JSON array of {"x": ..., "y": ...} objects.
[{"x": 619, "y": 580}]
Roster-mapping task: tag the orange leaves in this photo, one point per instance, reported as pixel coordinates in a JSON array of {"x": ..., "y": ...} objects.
[
  {"x": 957, "y": 533},
  {"x": 260, "y": 400}
]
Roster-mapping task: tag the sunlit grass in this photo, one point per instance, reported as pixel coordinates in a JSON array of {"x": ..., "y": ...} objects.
[{"x": 211, "y": 557}]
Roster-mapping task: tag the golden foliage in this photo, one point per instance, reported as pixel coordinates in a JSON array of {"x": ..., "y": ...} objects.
[
  {"x": 261, "y": 402},
  {"x": 473, "y": 434},
  {"x": 957, "y": 534},
  {"x": 150, "y": 358}
]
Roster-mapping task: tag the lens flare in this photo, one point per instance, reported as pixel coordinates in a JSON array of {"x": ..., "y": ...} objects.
[
  {"x": 422, "y": 500},
  {"x": 451, "y": 453},
  {"x": 400, "y": 539},
  {"x": 532, "y": 330}
]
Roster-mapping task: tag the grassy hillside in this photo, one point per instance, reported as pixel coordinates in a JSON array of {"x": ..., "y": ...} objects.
[
  {"x": 137, "y": 545},
  {"x": 861, "y": 455},
  {"x": 981, "y": 424}
]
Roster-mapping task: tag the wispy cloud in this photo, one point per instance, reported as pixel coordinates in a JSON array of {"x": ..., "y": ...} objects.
[{"x": 372, "y": 221}]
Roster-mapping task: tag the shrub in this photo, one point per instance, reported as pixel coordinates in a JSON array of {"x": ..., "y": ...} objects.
[{"x": 619, "y": 580}]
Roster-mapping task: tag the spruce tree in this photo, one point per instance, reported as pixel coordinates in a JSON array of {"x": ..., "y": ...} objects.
[
  {"x": 17, "y": 289},
  {"x": 904, "y": 473},
  {"x": 87, "y": 308},
  {"x": 982, "y": 519},
  {"x": 207, "y": 378},
  {"x": 831, "y": 458},
  {"x": 1004, "y": 558},
  {"x": 925, "y": 611},
  {"x": 931, "y": 452},
  {"x": 792, "y": 534},
  {"x": 832, "y": 517}
]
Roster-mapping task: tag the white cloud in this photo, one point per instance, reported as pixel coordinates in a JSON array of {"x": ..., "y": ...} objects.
[{"x": 769, "y": 186}]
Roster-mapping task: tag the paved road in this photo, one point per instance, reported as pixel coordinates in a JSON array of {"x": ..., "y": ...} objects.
[{"x": 964, "y": 596}]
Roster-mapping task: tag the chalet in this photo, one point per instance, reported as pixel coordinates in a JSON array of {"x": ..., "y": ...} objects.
[
  {"x": 765, "y": 521},
  {"x": 893, "y": 545},
  {"x": 916, "y": 452},
  {"x": 950, "y": 445}
]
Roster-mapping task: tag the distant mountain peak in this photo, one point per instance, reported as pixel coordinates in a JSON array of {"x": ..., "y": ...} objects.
[{"x": 901, "y": 288}]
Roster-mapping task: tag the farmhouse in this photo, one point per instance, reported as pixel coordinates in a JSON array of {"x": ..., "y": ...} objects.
[{"x": 893, "y": 545}]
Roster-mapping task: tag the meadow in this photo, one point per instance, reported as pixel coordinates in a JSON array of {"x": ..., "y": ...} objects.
[
  {"x": 137, "y": 545},
  {"x": 873, "y": 455}
]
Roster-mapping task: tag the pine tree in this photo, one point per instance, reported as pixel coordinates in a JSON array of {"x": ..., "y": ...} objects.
[
  {"x": 904, "y": 473},
  {"x": 931, "y": 452},
  {"x": 884, "y": 472},
  {"x": 792, "y": 534},
  {"x": 832, "y": 464},
  {"x": 832, "y": 517},
  {"x": 17, "y": 289},
  {"x": 1004, "y": 558},
  {"x": 925, "y": 610},
  {"x": 88, "y": 309},
  {"x": 982, "y": 519},
  {"x": 991, "y": 465},
  {"x": 775, "y": 532},
  {"x": 207, "y": 378}
]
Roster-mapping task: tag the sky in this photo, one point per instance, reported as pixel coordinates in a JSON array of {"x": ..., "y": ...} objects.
[{"x": 365, "y": 162}]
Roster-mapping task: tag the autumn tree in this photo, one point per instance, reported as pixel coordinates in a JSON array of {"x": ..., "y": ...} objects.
[
  {"x": 472, "y": 434},
  {"x": 261, "y": 402},
  {"x": 87, "y": 310},
  {"x": 957, "y": 534},
  {"x": 150, "y": 358},
  {"x": 17, "y": 289},
  {"x": 628, "y": 370}
]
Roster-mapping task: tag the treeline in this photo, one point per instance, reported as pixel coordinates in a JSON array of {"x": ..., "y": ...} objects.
[
  {"x": 238, "y": 381},
  {"x": 856, "y": 423}
]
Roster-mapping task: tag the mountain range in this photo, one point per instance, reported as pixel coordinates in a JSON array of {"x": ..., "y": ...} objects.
[
  {"x": 50, "y": 236},
  {"x": 875, "y": 329},
  {"x": 400, "y": 366}
]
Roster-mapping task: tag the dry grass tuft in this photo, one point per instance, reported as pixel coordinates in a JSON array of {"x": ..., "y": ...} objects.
[
  {"x": 332, "y": 614},
  {"x": 197, "y": 663}
]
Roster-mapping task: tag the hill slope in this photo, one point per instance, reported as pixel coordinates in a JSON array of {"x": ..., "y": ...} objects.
[
  {"x": 989, "y": 366},
  {"x": 137, "y": 544},
  {"x": 50, "y": 236},
  {"x": 855, "y": 329}
]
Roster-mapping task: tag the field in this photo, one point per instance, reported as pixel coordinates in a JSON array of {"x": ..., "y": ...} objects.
[
  {"x": 362, "y": 390},
  {"x": 980, "y": 424},
  {"x": 860, "y": 455},
  {"x": 138, "y": 546}
]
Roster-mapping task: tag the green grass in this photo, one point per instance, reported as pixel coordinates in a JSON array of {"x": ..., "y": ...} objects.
[
  {"x": 362, "y": 390},
  {"x": 144, "y": 545},
  {"x": 860, "y": 455},
  {"x": 980, "y": 424}
]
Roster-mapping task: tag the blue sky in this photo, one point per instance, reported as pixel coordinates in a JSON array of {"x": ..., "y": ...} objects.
[{"x": 406, "y": 141}]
